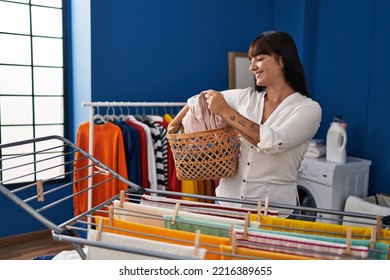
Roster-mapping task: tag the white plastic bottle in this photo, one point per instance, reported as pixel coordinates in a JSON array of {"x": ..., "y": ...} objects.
[{"x": 336, "y": 141}]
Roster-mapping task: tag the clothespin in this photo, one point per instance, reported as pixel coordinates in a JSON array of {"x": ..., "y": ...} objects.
[
  {"x": 349, "y": 241},
  {"x": 232, "y": 239},
  {"x": 231, "y": 229},
  {"x": 378, "y": 225},
  {"x": 101, "y": 171},
  {"x": 111, "y": 214},
  {"x": 100, "y": 229},
  {"x": 175, "y": 213},
  {"x": 259, "y": 211},
  {"x": 197, "y": 242},
  {"x": 40, "y": 190},
  {"x": 246, "y": 225},
  {"x": 375, "y": 232},
  {"x": 122, "y": 198},
  {"x": 373, "y": 237},
  {"x": 266, "y": 207}
]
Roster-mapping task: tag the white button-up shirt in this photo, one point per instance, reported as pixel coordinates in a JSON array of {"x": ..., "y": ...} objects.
[{"x": 270, "y": 169}]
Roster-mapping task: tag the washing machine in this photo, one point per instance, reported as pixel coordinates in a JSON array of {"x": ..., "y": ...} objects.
[{"x": 326, "y": 185}]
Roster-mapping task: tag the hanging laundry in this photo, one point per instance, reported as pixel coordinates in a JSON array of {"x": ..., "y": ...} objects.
[
  {"x": 108, "y": 148},
  {"x": 158, "y": 248},
  {"x": 132, "y": 151}
]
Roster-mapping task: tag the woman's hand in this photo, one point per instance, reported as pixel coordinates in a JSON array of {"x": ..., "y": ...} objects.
[
  {"x": 218, "y": 105},
  {"x": 176, "y": 124},
  {"x": 216, "y": 102},
  {"x": 174, "y": 128}
]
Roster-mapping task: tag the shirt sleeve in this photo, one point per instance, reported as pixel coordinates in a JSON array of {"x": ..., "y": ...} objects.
[
  {"x": 232, "y": 97},
  {"x": 290, "y": 130}
]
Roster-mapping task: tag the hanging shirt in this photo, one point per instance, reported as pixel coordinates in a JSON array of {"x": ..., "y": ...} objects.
[
  {"x": 143, "y": 153},
  {"x": 108, "y": 148},
  {"x": 270, "y": 169},
  {"x": 132, "y": 151},
  {"x": 151, "y": 158},
  {"x": 160, "y": 146}
]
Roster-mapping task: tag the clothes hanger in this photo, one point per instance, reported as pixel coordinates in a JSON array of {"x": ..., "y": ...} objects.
[
  {"x": 154, "y": 116},
  {"x": 98, "y": 118},
  {"x": 111, "y": 117},
  {"x": 122, "y": 116},
  {"x": 140, "y": 117}
]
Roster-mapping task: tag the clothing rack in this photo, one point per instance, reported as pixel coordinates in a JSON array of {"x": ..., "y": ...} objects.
[
  {"x": 45, "y": 193},
  {"x": 93, "y": 105}
]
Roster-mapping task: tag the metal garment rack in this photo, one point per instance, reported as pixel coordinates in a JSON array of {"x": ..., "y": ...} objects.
[
  {"x": 93, "y": 105},
  {"x": 33, "y": 186}
]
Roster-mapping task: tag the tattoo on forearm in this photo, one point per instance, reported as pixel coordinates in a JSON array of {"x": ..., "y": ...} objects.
[
  {"x": 242, "y": 122},
  {"x": 253, "y": 128}
]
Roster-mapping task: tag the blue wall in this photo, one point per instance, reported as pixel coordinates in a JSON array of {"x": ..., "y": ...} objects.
[
  {"x": 377, "y": 133},
  {"x": 350, "y": 79},
  {"x": 153, "y": 50}
]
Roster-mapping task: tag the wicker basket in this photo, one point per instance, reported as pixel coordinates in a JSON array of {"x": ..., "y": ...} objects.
[{"x": 204, "y": 155}]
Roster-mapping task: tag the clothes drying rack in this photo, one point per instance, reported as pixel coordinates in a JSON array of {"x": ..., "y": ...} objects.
[{"x": 45, "y": 193}]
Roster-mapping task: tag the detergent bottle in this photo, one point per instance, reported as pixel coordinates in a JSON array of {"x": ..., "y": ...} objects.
[{"x": 336, "y": 141}]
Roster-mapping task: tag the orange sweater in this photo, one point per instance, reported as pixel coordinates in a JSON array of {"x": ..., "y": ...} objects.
[{"x": 108, "y": 149}]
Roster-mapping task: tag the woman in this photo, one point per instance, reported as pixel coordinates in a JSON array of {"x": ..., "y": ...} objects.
[{"x": 276, "y": 121}]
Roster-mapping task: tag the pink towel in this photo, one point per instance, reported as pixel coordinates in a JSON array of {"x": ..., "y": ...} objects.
[
  {"x": 297, "y": 245},
  {"x": 199, "y": 117}
]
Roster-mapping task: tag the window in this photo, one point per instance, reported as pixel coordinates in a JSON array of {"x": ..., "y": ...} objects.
[{"x": 31, "y": 76}]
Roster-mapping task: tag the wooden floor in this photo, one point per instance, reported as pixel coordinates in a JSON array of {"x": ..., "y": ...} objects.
[{"x": 30, "y": 246}]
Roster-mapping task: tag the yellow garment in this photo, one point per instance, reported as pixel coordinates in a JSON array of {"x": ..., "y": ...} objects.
[
  {"x": 245, "y": 254},
  {"x": 168, "y": 117},
  {"x": 317, "y": 228},
  {"x": 210, "y": 243},
  {"x": 190, "y": 187}
]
